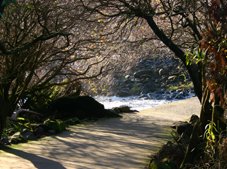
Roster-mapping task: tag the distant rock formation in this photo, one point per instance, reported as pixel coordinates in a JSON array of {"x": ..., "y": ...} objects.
[
  {"x": 123, "y": 109},
  {"x": 153, "y": 78}
]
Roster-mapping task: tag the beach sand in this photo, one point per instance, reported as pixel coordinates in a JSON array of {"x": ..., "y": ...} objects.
[{"x": 119, "y": 143}]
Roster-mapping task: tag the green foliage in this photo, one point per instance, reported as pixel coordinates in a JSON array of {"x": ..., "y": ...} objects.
[
  {"x": 38, "y": 100},
  {"x": 183, "y": 86},
  {"x": 56, "y": 125},
  {"x": 22, "y": 130},
  {"x": 15, "y": 129},
  {"x": 196, "y": 56},
  {"x": 210, "y": 135},
  {"x": 19, "y": 125}
]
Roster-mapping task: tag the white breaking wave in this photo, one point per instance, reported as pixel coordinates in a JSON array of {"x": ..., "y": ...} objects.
[{"x": 133, "y": 102}]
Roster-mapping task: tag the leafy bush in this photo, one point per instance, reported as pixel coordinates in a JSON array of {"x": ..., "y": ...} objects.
[
  {"x": 19, "y": 125},
  {"x": 55, "y": 126}
]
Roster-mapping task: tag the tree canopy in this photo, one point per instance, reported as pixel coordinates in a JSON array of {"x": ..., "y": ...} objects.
[{"x": 44, "y": 44}]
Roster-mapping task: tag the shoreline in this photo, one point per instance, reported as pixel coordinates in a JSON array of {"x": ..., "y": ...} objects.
[
  {"x": 134, "y": 102},
  {"x": 176, "y": 110}
]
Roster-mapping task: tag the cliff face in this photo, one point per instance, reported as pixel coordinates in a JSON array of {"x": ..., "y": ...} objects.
[{"x": 158, "y": 77}]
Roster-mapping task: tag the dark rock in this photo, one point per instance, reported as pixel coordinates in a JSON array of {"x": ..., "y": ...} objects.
[
  {"x": 185, "y": 129},
  {"x": 4, "y": 141},
  {"x": 141, "y": 74},
  {"x": 182, "y": 127},
  {"x": 123, "y": 93},
  {"x": 194, "y": 119},
  {"x": 72, "y": 121},
  {"x": 52, "y": 132},
  {"x": 80, "y": 106},
  {"x": 111, "y": 113},
  {"x": 123, "y": 109},
  {"x": 40, "y": 131},
  {"x": 28, "y": 135}
]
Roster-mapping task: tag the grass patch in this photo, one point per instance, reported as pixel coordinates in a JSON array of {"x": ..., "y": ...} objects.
[{"x": 183, "y": 86}]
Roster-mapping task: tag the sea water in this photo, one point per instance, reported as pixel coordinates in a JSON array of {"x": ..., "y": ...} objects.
[{"x": 134, "y": 102}]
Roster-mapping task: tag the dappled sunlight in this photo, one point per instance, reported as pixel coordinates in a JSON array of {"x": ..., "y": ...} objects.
[
  {"x": 125, "y": 142},
  {"x": 106, "y": 143},
  {"x": 109, "y": 143}
]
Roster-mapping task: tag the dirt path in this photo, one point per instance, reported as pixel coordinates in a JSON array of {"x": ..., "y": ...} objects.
[{"x": 122, "y": 143}]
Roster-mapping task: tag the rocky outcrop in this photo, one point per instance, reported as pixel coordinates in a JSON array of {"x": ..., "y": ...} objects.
[
  {"x": 123, "y": 109},
  {"x": 82, "y": 107},
  {"x": 157, "y": 78}
]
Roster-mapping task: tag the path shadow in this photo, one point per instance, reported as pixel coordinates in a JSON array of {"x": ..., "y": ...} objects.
[
  {"x": 107, "y": 143},
  {"x": 111, "y": 143},
  {"x": 37, "y": 161}
]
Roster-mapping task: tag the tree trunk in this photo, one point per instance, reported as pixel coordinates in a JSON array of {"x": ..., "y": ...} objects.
[
  {"x": 4, "y": 109},
  {"x": 194, "y": 70},
  {"x": 211, "y": 111},
  {"x": 2, "y": 121},
  {"x": 206, "y": 109}
]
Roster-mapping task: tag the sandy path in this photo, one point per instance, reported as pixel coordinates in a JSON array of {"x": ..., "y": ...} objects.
[{"x": 122, "y": 143}]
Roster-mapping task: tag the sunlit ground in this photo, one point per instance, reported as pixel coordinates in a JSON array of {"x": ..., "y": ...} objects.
[{"x": 105, "y": 144}]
